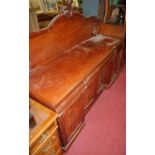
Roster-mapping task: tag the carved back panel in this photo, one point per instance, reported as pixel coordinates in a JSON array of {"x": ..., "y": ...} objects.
[{"x": 62, "y": 33}]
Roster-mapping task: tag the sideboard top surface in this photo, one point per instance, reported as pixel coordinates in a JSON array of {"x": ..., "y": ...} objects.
[{"x": 51, "y": 82}]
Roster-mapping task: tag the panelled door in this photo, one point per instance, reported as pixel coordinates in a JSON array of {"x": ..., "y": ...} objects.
[
  {"x": 72, "y": 118},
  {"x": 108, "y": 71},
  {"x": 90, "y": 89}
]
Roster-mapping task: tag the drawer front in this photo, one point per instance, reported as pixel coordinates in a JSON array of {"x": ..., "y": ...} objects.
[
  {"x": 71, "y": 118},
  {"x": 50, "y": 140},
  {"x": 49, "y": 149},
  {"x": 44, "y": 136}
]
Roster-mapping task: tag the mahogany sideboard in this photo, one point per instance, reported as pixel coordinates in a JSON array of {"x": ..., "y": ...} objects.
[{"x": 71, "y": 62}]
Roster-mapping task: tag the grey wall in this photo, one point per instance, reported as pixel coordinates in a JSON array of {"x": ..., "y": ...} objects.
[{"x": 90, "y": 7}]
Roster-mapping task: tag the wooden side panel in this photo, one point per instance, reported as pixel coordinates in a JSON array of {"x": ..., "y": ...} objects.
[
  {"x": 118, "y": 59},
  {"x": 108, "y": 71},
  {"x": 62, "y": 33},
  {"x": 100, "y": 85},
  {"x": 71, "y": 119}
]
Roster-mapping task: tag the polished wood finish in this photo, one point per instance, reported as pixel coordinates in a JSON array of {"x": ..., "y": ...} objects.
[
  {"x": 72, "y": 119},
  {"x": 71, "y": 63},
  {"x": 117, "y": 31},
  {"x": 44, "y": 136},
  {"x": 74, "y": 30},
  {"x": 112, "y": 30}
]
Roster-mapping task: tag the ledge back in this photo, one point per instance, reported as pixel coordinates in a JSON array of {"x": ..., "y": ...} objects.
[{"x": 62, "y": 33}]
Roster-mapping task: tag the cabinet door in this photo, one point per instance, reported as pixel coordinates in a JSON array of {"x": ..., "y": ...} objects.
[
  {"x": 108, "y": 71},
  {"x": 90, "y": 91},
  {"x": 71, "y": 119}
]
